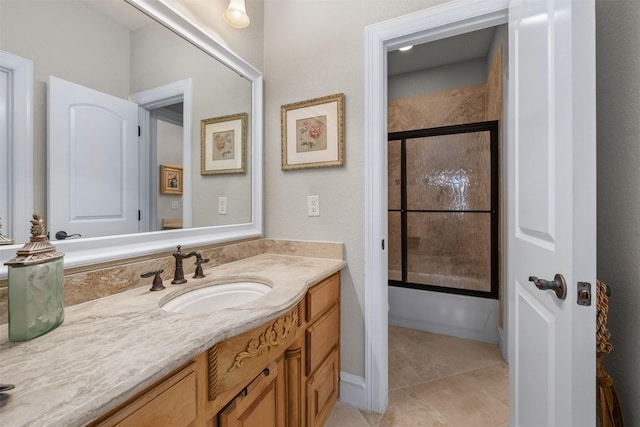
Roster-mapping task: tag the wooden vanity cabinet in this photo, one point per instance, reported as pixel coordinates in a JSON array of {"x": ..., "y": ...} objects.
[
  {"x": 260, "y": 404},
  {"x": 170, "y": 402},
  {"x": 312, "y": 363},
  {"x": 284, "y": 373}
]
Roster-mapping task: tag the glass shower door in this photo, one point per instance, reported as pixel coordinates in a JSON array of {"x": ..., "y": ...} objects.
[{"x": 443, "y": 209}]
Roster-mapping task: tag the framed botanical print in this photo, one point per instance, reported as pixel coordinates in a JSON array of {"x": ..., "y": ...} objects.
[
  {"x": 223, "y": 145},
  {"x": 313, "y": 133}
]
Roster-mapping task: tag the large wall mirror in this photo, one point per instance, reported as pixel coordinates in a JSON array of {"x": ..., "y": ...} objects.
[{"x": 179, "y": 182}]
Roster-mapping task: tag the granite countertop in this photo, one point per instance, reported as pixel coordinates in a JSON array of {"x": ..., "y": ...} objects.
[{"x": 109, "y": 349}]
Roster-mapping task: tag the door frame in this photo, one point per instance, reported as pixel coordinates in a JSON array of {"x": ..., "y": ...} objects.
[
  {"x": 446, "y": 20},
  {"x": 19, "y": 159},
  {"x": 161, "y": 96}
]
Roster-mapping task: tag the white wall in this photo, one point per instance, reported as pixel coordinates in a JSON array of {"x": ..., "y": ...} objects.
[
  {"x": 314, "y": 49},
  {"x": 618, "y": 112}
]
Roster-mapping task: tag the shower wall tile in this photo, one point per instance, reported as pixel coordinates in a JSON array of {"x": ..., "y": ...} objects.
[
  {"x": 495, "y": 111},
  {"x": 458, "y": 106},
  {"x": 454, "y": 250},
  {"x": 395, "y": 246},
  {"x": 452, "y": 107},
  {"x": 394, "y": 173},
  {"x": 493, "y": 86},
  {"x": 449, "y": 172}
]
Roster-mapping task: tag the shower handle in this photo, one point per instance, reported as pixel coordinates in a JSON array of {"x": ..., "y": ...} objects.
[{"x": 558, "y": 285}]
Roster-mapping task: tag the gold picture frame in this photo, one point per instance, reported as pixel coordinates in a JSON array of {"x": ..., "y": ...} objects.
[
  {"x": 313, "y": 133},
  {"x": 170, "y": 180},
  {"x": 223, "y": 146}
]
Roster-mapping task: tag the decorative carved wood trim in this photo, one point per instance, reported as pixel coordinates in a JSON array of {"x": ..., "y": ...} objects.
[
  {"x": 300, "y": 314},
  {"x": 212, "y": 358},
  {"x": 273, "y": 336}
]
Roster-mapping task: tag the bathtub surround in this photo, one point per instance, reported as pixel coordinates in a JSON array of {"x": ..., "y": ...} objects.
[
  {"x": 89, "y": 283},
  {"x": 442, "y": 313},
  {"x": 431, "y": 311}
]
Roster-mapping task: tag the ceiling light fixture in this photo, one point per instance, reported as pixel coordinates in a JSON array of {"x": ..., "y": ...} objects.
[
  {"x": 405, "y": 48},
  {"x": 236, "y": 14}
]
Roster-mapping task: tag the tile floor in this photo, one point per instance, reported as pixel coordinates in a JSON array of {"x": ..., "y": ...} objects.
[{"x": 437, "y": 380}]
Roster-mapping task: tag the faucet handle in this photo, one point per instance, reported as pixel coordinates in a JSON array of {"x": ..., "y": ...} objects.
[
  {"x": 199, "y": 261},
  {"x": 157, "y": 280}
]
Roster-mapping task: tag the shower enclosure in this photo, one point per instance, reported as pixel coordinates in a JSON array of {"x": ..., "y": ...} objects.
[{"x": 443, "y": 209}]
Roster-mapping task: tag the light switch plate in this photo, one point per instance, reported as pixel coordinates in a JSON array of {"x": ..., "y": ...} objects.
[
  {"x": 222, "y": 205},
  {"x": 175, "y": 204},
  {"x": 313, "y": 205}
]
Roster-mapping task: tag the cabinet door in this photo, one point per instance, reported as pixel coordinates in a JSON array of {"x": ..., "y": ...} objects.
[
  {"x": 261, "y": 403},
  {"x": 321, "y": 337},
  {"x": 322, "y": 390}
]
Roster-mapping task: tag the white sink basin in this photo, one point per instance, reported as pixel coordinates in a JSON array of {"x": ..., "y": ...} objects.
[{"x": 217, "y": 297}]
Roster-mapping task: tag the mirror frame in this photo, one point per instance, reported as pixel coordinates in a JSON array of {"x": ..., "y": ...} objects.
[{"x": 104, "y": 249}]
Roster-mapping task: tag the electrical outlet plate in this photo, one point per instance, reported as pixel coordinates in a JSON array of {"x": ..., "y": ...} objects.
[{"x": 313, "y": 205}]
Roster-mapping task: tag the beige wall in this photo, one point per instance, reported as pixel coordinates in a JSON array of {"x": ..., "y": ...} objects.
[
  {"x": 618, "y": 110},
  {"x": 313, "y": 49}
]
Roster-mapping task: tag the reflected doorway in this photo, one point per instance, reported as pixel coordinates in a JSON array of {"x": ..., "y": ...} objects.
[{"x": 165, "y": 149}]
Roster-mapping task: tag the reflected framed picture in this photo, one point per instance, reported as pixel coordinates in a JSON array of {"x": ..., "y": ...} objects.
[
  {"x": 313, "y": 133},
  {"x": 170, "y": 180},
  {"x": 223, "y": 147}
]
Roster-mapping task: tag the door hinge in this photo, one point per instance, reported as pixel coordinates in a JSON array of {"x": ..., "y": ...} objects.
[
  {"x": 139, "y": 131},
  {"x": 139, "y": 215}
]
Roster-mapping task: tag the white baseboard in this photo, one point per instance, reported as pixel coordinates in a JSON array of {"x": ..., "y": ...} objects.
[
  {"x": 448, "y": 314},
  {"x": 502, "y": 344},
  {"x": 353, "y": 390}
]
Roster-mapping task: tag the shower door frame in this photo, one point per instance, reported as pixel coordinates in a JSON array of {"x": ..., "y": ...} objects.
[{"x": 487, "y": 126}]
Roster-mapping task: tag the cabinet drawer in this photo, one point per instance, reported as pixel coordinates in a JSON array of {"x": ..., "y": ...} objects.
[
  {"x": 322, "y": 390},
  {"x": 170, "y": 403},
  {"x": 262, "y": 403},
  {"x": 322, "y": 296},
  {"x": 321, "y": 337}
]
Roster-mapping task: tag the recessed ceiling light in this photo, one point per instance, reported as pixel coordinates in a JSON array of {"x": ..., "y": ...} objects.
[{"x": 405, "y": 48}]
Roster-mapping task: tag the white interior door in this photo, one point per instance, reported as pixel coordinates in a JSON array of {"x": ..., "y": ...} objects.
[
  {"x": 551, "y": 188},
  {"x": 92, "y": 160}
]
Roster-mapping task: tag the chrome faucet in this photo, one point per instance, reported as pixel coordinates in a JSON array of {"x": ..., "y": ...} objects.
[{"x": 178, "y": 276}]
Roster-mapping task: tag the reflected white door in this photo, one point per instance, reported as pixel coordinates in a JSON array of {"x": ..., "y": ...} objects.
[
  {"x": 92, "y": 160},
  {"x": 551, "y": 189}
]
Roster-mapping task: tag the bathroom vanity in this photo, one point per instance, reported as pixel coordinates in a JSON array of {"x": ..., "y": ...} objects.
[{"x": 124, "y": 360}]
